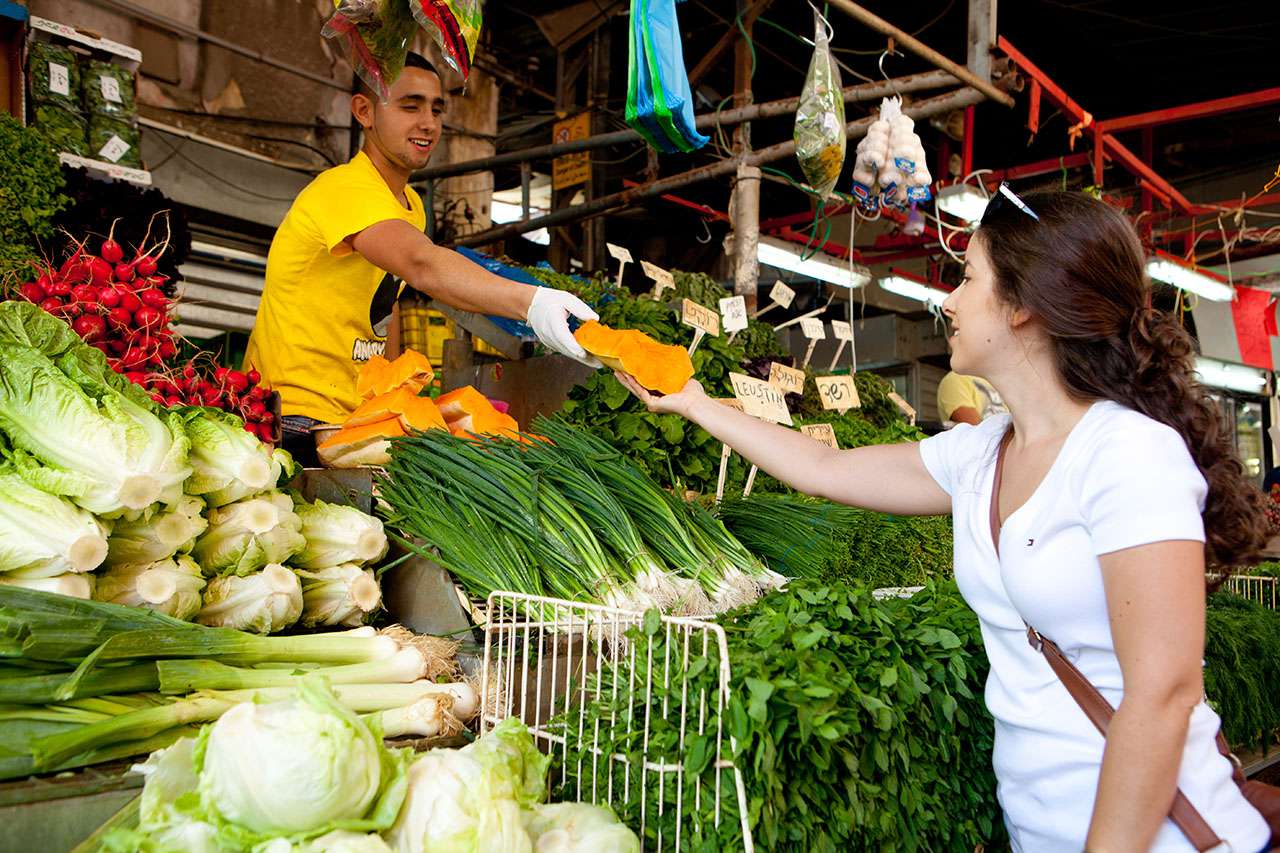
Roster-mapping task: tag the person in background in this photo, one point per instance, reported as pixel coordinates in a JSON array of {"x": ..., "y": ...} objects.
[
  {"x": 331, "y": 280},
  {"x": 967, "y": 400},
  {"x": 1090, "y": 511}
]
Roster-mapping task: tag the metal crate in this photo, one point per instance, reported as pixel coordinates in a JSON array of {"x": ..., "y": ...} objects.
[
  {"x": 555, "y": 664},
  {"x": 1264, "y": 590}
]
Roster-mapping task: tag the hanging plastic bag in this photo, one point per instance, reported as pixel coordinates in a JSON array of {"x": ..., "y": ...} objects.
[
  {"x": 454, "y": 25},
  {"x": 820, "y": 137},
  {"x": 376, "y": 35},
  {"x": 659, "y": 99}
]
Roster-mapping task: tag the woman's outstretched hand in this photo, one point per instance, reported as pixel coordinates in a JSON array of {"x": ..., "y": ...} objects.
[{"x": 680, "y": 403}]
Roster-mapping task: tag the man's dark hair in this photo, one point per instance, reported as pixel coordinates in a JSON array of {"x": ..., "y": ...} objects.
[{"x": 411, "y": 60}]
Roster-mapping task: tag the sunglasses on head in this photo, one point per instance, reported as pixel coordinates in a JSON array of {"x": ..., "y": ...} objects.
[{"x": 1004, "y": 199}]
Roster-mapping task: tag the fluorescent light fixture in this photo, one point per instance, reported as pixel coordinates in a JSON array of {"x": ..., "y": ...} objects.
[
  {"x": 787, "y": 256},
  {"x": 912, "y": 289},
  {"x": 963, "y": 201},
  {"x": 502, "y": 212},
  {"x": 1174, "y": 271},
  {"x": 1232, "y": 377}
]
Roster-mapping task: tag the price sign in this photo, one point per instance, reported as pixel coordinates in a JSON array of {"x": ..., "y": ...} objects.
[
  {"x": 623, "y": 257},
  {"x": 59, "y": 79},
  {"x": 700, "y": 317},
  {"x": 790, "y": 380},
  {"x": 841, "y": 330},
  {"x": 823, "y": 433},
  {"x": 903, "y": 405},
  {"x": 760, "y": 399},
  {"x": 813, "y": 329},
  {"x": 114, "y": 149},
  {"x": 734, "y": 311},
  {"x": 838, "y": 392},
  {"x": 779, "y": 295},
  {"x": 662, "y": 280},
  {"x": 110, "y": 89}
]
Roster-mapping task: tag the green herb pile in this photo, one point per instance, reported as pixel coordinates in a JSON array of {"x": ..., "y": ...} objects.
[
  {"x": 810, "y": 538},
  {"x": 857, "y": 724},
  {"x": 30, "y": 195},
  {"x": 95, "y": 89},
  {"x": 1242, "y": 669}
]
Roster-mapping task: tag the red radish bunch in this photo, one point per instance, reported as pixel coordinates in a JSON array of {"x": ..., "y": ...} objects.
[
  {"x": 232, "y": 391},
  {"x": 118, "y": 307}
]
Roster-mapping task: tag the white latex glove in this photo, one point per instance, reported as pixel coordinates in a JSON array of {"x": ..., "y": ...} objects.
[{"x": 549, "y": 316}]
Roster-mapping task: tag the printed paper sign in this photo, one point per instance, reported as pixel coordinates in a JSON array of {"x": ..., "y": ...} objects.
[
  {"x": 620, "y": 253},
  {"x": 734, "y": 311},
  {"x": 114, "y": 149},
  {"x": 59, "y": 79},
  {"x": 813, "y": 329},
  {"x": 782, "y": 295},
  {"x": 823, "y": 433},
  {"x": 662, "y": 279},
  {"x": 838, "y": 392},
  {"x": 841, "y": 330},
  {"x": 110, "y": 89},
  {"x": 903, "y": 405},
  {"x": 760, "y": 399},
  {"x": 700, "y": 317},
  {"x": 790, "y": 380}
]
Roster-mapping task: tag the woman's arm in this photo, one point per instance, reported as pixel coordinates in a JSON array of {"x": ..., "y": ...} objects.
[
  {"x": 887, "y": 478},
  {"x": 1157, "y": 624}
]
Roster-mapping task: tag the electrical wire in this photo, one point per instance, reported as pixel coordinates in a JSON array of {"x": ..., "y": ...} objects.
[
  {"x": 950, "y": 5},
  {"x": 174, "y": 152}
]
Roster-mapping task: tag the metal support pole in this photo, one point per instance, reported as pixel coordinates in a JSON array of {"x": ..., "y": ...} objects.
[
  {"x": 906, "y": 40},
  {"x": 744, "y": 204},
  {"x": 526, "y": 174},
  {"x": 787, "y": 106},
  {"x": 982, "y": 37},
  {"x": 853, "y": 130}
]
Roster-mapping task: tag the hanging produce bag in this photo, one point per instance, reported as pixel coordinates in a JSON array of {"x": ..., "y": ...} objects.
[
  {"x": 820, "y": 137},
  {"x": 376, "y": 35},
  {"x": 53, "y": 75},
  {"x": 659, "y": 99},
  {"x": 454, "y": 25}
]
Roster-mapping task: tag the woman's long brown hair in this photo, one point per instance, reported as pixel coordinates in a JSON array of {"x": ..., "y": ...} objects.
[{"x": 1079, "y": 271}]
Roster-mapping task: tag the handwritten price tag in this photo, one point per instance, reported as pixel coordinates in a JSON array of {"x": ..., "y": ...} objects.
[
  {"x": 734, "y": 311},
  {"x": 700, "y": 317},
  {"x": 782, "y": 294},
  {"x": 790, "y": 380},
  {"x": 110, "y": 89},
  {"x": 114, "y": 149},
  {"x": 823, "y": 433},
  {"x": 841, "y": 330},
  {"x": 838, "y": 392},
  {"x": 760, "y": 399},
  {"x": 59, "y": 79},
  {"x": 619, "y": 253},
  {"x": 903, "y": 405},
  {"x": 662, "y": 280},
  {"x": 813, "y": 329}
]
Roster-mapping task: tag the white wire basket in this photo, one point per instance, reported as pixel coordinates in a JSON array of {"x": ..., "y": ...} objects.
[
  {"x": 632, "y": 707},
  {"x": 1264, "y": 590}
]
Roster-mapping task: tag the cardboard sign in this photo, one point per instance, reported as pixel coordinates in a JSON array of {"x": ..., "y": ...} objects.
[
  {"x": 823, "y": 433},
  {"x": 841, "y": 330},
  {"x": 110, "y": 87},
  {"x": 790, "y": 380},
  {"x": 619, "y": 253},
  {"x": 838, "y": 392},
  {"x": 571, "y": 169},
  {"x": 662, "y": 280},
  {"x": 114, "y": 149},
  {"x": 760, "y": 399},
  {"x": 903, "y": 405},
  {"x": 59, "y": 79},
  {"x": 700, "y": 317},
  {"x": 733, "y": 309},
  {"x": 782, "y": 294},
  {"x": 813, "y": 329}
]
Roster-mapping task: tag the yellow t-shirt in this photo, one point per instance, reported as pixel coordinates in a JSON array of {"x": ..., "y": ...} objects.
[
  {"x": 324, "y": 308},
  {"x": 956, "y": 391}
]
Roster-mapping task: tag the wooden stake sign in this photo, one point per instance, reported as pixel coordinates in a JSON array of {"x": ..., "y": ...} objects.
[
  {"x": 662, "y": 280},
  {"x": 779, "y": 295},
  {"x": 904, "y": 406},
  {"x": 842, "y": 332},
  {"x": 838, "y": 392},
  {"x": 760, "y": 399},
  {"x": 725, "y": 450},
  {"x": 790, "y": 380},
  {"x": 623, "y": 257},
  {"x": 813, "y": 330},
  {"x": 701, "y": 318},
  {"x": 733, "y": 311},
  {"x": 823, "y": 433}
]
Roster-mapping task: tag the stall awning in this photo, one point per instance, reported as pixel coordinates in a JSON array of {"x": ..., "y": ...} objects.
[{"x": 1243, "y": 331}]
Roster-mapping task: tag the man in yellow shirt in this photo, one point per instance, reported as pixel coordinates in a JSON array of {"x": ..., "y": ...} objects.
[
  {"x": 967, "y": 399},
  {"x": 327, "y": 299}
]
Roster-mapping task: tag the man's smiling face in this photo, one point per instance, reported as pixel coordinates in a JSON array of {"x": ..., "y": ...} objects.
[{"x": 406, "y": 128}]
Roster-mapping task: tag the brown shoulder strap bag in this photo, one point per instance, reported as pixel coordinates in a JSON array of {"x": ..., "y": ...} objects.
[{"x": 1265, "y": 798}]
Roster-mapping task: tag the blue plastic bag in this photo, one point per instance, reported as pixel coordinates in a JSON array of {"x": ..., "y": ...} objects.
[{"x": 659, "y": 99}]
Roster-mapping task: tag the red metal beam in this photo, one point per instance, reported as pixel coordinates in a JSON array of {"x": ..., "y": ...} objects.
[
  {"x": 1107, "y": 144},
  {"x": 1031, "y": 170},
  {"x": 705, "y": 210},
  {"x": 1202, "y": 109}
]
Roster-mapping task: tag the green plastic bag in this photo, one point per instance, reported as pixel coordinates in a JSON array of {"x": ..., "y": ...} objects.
[
  {"x": 53, "y": 75},
  {"x": 64, "y": 128},
  {"x": 114, "y": 141},
  {"x": 819, "y": 134},
  {"x": 659, "y": 99}
]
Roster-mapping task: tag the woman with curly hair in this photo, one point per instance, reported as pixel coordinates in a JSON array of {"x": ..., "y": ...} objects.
[{"x": 1091, "y": 512}]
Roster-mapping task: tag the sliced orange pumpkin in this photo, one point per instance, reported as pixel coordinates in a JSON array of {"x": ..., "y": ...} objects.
[
  {"x": 378, "y": 376},
  {"x": 462, "y": 402},
  {"x": 414, "y": 412},
  {"x": 657, "y": 366},
  {"x": 367, "y": 444}
]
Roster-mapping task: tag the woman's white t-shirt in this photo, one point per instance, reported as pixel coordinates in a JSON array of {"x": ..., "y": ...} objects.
[{"x": 1121, "y": 479}]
